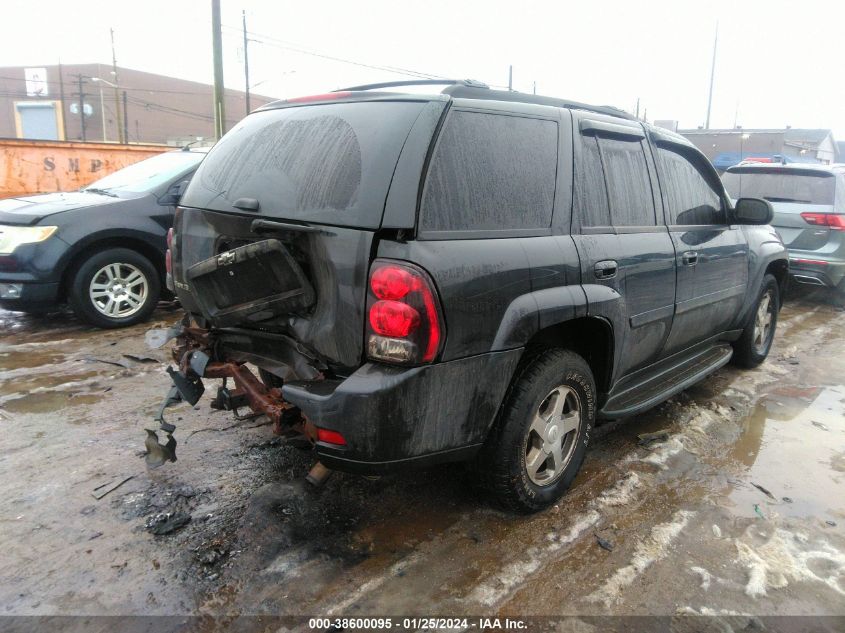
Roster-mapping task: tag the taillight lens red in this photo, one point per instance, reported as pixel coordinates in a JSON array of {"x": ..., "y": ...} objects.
[
  {"x": 391, "y": 282},
  {"x": 168, "y": 261},
  {"x": 170, "y": 237},
  {"x": 404, "y": 319},
  {"x": 833, "y": 221},
  {"x": 330, "y": 437},
  {"x": 393, "y": 318}
]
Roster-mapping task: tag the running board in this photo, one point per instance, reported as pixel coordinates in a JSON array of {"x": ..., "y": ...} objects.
[{"x": 667, "y": 383}]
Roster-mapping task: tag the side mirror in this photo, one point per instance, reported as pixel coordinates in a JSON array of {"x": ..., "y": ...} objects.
[
  {"x": 173, "y": 193},
  {"x": 753, "y": 211}
]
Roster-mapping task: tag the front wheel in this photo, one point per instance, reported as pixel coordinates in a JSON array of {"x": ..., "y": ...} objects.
[
  {"x": 755, "y": 342},
  {"x": 539, "y": 440},
  {"x": 115, "y": 288}
]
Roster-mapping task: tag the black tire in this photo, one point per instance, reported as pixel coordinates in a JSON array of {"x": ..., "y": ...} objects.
[
  {"x": 83, "y": 304},
  {"x": 748, "y": 352},
  {"x": 501, "y": 468}
]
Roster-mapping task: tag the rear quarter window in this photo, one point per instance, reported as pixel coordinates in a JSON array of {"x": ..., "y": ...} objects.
[{"x": 491, "y": 172}]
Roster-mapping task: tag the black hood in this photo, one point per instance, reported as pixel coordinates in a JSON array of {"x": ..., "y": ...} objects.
[{"x": 30, "y": 209}]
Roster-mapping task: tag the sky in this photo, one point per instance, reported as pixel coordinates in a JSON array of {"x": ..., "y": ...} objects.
[{"x": 777, "y": 64}]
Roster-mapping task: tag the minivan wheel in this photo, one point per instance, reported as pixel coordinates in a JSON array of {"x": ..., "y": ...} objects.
[
  {"x": 754, "y": 343},
  {"x": 115, "y": 288},
  {"x": 539, "y": 440}
]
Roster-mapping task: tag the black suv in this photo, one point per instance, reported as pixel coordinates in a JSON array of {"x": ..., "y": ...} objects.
[
  {"x": 101, "y": 249},
  {"x": 470, "y": 275}
]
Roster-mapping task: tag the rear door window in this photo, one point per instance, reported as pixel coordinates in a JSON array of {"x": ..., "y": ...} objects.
[
  {"x": 781, "y": 185},
  {"x": 690, "y": 187},
  {"x": 628, "y": 182},
  {"x": 591, "y": 203},
  {"x": 491, "y": 172},
  {"x": 329, "y": 163}
]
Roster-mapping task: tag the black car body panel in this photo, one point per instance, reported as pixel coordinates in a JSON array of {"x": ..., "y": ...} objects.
[{"x": 591, "y": 231}]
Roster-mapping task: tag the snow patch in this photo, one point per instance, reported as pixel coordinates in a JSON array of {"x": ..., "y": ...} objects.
[
  {"x": 706, "y": 576},
  {"x": 514, "y": 574},
  {"x": 655, "y": 547},
  {"x": 622, "y": 492},
  {"x": 717, "y": 531},
  {"x": 787, "y": 556},
  {"x": 662, "y": 452}
]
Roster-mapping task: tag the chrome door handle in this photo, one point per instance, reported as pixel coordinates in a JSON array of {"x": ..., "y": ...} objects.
[{"x": 690, "y": 258}]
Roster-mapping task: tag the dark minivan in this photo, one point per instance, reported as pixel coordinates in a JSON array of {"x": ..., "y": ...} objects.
[
  {"x": 101, "y": 249},
  {"x": 474, "y": 275}
]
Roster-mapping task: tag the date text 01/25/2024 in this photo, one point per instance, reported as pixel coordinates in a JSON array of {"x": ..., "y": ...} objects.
[{"x": 415, "y": 624}]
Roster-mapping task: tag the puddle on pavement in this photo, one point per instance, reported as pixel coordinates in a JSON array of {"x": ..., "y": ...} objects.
[
  {"x": 793, "y": 445},
  {"x": 28, "y": 359},
  {"x": 49, "y": 402}
]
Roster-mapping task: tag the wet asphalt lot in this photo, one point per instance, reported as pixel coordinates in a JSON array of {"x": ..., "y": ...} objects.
[{"x": 740, "y": 509}]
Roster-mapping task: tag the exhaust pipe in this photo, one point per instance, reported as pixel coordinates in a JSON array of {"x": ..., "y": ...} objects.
[
  {"x": 318, "y": 475},
  {"x": 806, "y": 279}
]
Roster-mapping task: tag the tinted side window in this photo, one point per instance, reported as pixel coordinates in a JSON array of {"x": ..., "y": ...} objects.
[
  {"x": 692, "y": 198},
  {"x": 590, "y": 192},
  {"x": 491, "y": 172},
  {"x": 628, "y": 183}
]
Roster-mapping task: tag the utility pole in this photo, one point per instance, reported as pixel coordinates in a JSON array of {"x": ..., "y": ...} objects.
[
  {"x": 62, "y": 101},
  {"x": 217, "y": 53},
  {"x": 712, "y": 74},
  {"x": 80, "y": 81},
  {"x": 510, "y": 77},
  {"x": 125, "y": 120},
  {"x": 120, "y": 134},
  {"x": 102, "y": 112},
  {"x": 246, "y": 65}
]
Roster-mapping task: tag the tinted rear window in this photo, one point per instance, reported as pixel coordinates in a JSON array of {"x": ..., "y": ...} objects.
[
  {"x": 491, "y": 172},
  {"x": 323, "y": 163},
  {"x": 628, "y": 183},
  {"x": 781, "y": 186}
]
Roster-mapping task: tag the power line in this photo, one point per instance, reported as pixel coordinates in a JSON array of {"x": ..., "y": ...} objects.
[{"x": 278, "y": 43}]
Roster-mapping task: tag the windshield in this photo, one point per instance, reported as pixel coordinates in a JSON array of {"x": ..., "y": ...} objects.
[
  {"x": 328, "y": 163},
  {"x": 149, "y": 174},
  {"x": 781, "y": 186}
]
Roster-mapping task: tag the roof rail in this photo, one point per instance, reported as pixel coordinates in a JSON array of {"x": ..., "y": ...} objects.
[
  {"x": 469, "y": 83},
  {"x": 520, "y": 97}
]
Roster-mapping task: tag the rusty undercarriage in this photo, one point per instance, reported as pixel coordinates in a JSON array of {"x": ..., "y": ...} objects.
[{"x": 193, "y": 353}]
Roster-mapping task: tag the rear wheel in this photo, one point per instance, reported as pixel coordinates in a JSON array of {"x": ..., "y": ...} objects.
[
  {"x": 114, "y": 288},
  {"x": 539, "y": 440},
  {"x": 754, "y": 343}
]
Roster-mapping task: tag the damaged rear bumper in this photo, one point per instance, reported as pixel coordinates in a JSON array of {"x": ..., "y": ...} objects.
[
  {"x": 394, "y": 417},
  {"x": 388, "y": 417}
]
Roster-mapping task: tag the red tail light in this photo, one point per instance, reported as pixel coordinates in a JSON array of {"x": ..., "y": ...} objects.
[
  {"x": 330, "y": 437},
  {"x": 170, "y": 237},
  {"x": 404, "y": 320},
  {"x": 833, "y": 221},
  {"x": 168, "y": 261}
]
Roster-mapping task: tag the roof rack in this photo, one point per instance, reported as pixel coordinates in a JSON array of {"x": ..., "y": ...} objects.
[
  {"x": 474, "y": 89},
  {"x": 471, "y": 83},
  {"x": 521, "y": 97}
]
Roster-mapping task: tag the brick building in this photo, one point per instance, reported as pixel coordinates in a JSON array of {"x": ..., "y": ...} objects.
[{"x": 44, "y": 103}]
